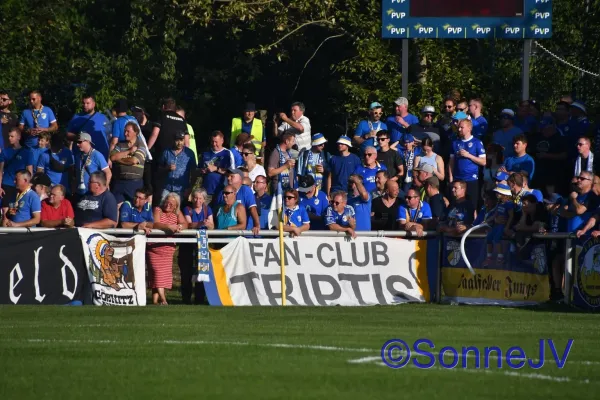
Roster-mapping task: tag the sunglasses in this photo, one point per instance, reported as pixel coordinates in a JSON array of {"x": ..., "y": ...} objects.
[
  {"x": 461, "y": 109},
  {"x": 581, "y": 144},
  {"x": 246, "y": 154},
  {"x": 377, "y": 113},
  {"x": 227, "y": 193},
  {"x": 428, "y": 115},
  {"x": 581, "y": 178},
  {"x": 447, "y": 106},
  {"x": 411, "y": 197},
  {"x": 369, "y": 154},
  {"x": 383, "y": 139},
  {"x": 336, "y": 203},
  {"x": 290, "y": 197}
]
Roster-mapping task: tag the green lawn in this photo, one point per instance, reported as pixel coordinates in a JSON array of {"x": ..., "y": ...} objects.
[{"x": 179, "y": 352}]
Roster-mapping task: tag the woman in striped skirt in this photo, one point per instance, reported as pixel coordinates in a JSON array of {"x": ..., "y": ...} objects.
[{"x": 169, "y": 218}]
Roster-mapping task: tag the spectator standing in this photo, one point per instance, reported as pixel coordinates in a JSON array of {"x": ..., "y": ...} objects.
[
  {"x": 118, "y": 125},
  {"x": 502, "y": 220},
  {"x": 389, "y": 157},
  {"x": 381, "y": 179},
  {"x": 521, "y": 161},
  {"x": 12, "y": 159},
  {"x": 167, "y": 127},
  {"x": 435, "y": 199},
  {"x": 159, "y": 256},
  {"x": 137, "y": 214},
  {"x": 231, "y": 215},
  {"x": 585, "y": 157},
  {"x": 297, "y": 124},
  {"x": 460, "y": 212},
  {"x": 263, "y": 200},
  {"x": 524, "y": 120},
  {"x": 504, "y": 136},
  {"x": 409, "y": 153},
  {"x": 43, "y": 141},
  {"x": 580, "y": 124},
  {"x": 426, "y": 129},
  {"x": 313, "y": 200},
  {"x": 191, "y": 136},
  {"x": 421, "y": 173},
  {"x": 24, "y": 207},
  {"x": 314, "y": 161},
  {"x": 38, "y": 118},
  {"x": 57, "y": 162},
  {"x": 384, "y": 209},
  {"x": 146, "y": 127},
  {"x": 341, "y": 166},
  {"x": 237, "y": 149},
  {"x": 369, "y": 169},
  {"x": 214, "y": 165},
  {"x": 365, "y": 134},
  {"x": 581, "y": 203},
  {"x": 8, "y": 119},
  {"x": 429, "y": 157},
  {"x": 468, "y": 154},
  {"x": 563, "y": 120},
  {"x": 281, "y": 164},
  {"x": 415, "y": 215},
  {"x": 399, "y": 123},
  {"x": 251, "y": 125},
  {"x": 128, "y": 158},
  {"x": 480, "y": 124},
  {"x": 550, "y": 155},
  {"x": 87, "y": 162},
  {"x": 57, "y": 211},
  {"x": 295, "y": 218},
  {"x": 92, "y": 122},
  {"x": 97, "y": 209},
  {"x": 339, "y": 216},
  {"x": 254, "y": 169},
  {"x": 360, "y": 199}
]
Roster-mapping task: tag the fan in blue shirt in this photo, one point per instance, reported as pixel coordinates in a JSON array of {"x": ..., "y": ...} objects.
[
  {"x": 365, "y": 133},
  {"x": 25, "y": 207},
  {"x": 415, "y": 214},
  {"x": 339, "y": 216},
  {"x": 36, "y": 119},
  {"x": 521, "y": 161},
  {"x": 464, "y": 153},
  {"x": 360, "y": 199},
  {"x": 138, "y": 215},
  {"x": 56, "y": 163},
  {"x": 369, "y": 169},
  {"x": 213, "y": 163},
  {"x": 13, "y": 160},
  {"x": 342, "y": 166},
  {"x": 399, "y": 123}
]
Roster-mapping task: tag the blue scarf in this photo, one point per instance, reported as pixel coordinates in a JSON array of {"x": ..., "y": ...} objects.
[
  {"x": 285, "y": 175},
  {"x": 312, "y": 161},
  {"x": 204, "y": 264}
]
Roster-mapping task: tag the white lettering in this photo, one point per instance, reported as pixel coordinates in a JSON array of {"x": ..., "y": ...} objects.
[
  {"x": 541, "y": 31},
  {"x": 36, "y": 281},
  {"x": 69, "y": 264},
  {"x": 512, "y": 30},
  {"x": 398, "y": 15},
  {"x": 398, "y": 31},
  {"x": 483, "y": 30},
  {"x": 542, "y": 15},
  {"x": 13, "y": 285},
  {"x": 426, "y": 30}
]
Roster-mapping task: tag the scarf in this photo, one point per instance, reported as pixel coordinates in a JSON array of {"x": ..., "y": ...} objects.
[
  {"x": 288, "y": 215},
  {"x": 313, "y": 160},
  {"x": 204, "y": 264},
  {"x": 409, "y": 156},
  {"x": 590, "y": 165},
  {"x": 285, "y": 175}
]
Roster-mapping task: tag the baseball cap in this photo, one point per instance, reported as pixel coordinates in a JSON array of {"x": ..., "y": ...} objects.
[
  {"x": 305, "y": 183},
  {"x": 233, "y": 171},
  {"x": 508, "y": 112},
  {"x": 579, "y": 105},
  {"x": 345, "y": 140},
  {"x": 501, "y": 176},
  {"x": 428, "y": 110},
  {"x": 424, "y": 167},
  {"x": 85, "y": 137},
  {"x": 41, "y": 179},
  {"x": 318, "y": 139},
  {"x": 401, "y": 101},
  {"x": 179, "y": 135},
  {"x": 139, "y": 109},
  {"x": 248, "y": 107},
  {"x": 459, "y": 116},
  {"x": 408, "y": 138},
  {"x": 375, "y": 105},
  {"x": 503, "y": 189}
]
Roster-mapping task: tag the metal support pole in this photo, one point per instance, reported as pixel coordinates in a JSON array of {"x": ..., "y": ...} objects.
[
  {"x": 438, "y": 292},
  {"x": 569, "y": 255},
  {"x": 525, "y": 74},
  {"x": 405, "y": 68}
]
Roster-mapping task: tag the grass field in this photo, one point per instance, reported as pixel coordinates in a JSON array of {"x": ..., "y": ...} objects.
[{"x": 178, "y": 352}]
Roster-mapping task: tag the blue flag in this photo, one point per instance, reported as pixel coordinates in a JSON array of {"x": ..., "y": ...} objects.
[{"x": 204, "y": 264}]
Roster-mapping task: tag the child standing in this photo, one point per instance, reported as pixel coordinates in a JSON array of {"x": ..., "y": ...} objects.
[{"x": 502, "y": 221}]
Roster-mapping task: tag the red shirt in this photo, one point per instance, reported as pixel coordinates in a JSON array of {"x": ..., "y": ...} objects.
[{"x": 49, "y": 213}]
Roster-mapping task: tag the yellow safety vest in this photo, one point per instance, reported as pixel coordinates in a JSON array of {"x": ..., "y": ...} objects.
[
  {"x": 257, "y": 132},
  {"x": 192, "y": 141}
]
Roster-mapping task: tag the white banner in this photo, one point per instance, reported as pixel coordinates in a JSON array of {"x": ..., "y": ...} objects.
[
  {"x": 116, "y": 268},
  {"x": 322, "y": 271}
]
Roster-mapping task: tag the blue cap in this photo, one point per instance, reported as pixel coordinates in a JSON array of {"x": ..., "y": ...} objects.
[
  {"x": 375, "y": 105},
  {"x": 318, "y": 139},
  {"x": 345, "y": 140},
  {"x": 501, "y": 176},
  {"x": 503, "y": 189},
  {"x": 408, "y": 138},
  {"x": 459, "y": 116}
]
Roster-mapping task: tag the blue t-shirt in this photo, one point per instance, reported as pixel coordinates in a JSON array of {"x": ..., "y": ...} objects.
[
  {"x": 45, "y": 118},
  {"x": 36, "y": 153},
  {"x": 518, "y": 164},
  {"x": 364, "y": 128},
  {"x": 95, "y": 126},
  {"x": 396, "y": 130},
  {"x": 96, "y": 162},
  {"x": 465, "y": 169},
  {"x": 332, "y": 216},
  {"x": 590, "y": 201},
  {"x": 505, "y": 139},
  {"x": 316, "y": 205},
  {"x": 26, "y": 205},
  {"x": 238, "y": 160},
  {"x": 213, "y": 181},
  {"x": 94, "y": 208},
  {"x": 341, "y": 168},
  {"x": 296, "y": 216},
  {"x": 423, "y": 214},
  {"x": 129, "y": 213},
  {"x": 185, "y": 163},
  {"x": 118, "y": 127},
  {"x": 480, "y": 127},
  {"x": 198, "y": 216},
  {"x": 368, "y": 175},
  {"x": 14, "y": 160},
  {"x": 482, "y": 215},
  {"x": 65, "y": 157},
  {"x": 502, "y": 209},
  {"x": 362, "y": 212},
  {"x": 538, "y": 194},
  {"x": 264, "y": 205}
]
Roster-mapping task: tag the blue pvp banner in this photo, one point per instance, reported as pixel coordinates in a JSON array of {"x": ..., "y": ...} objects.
[
  {"x": 586, "y": 290},
  {"x": 521, "y": 280}
]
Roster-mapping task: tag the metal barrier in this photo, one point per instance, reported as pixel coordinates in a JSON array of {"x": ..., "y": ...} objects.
[{"x": 223, "y": 237}]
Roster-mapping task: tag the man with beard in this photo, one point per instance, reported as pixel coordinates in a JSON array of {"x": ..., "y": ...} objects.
[
  {"x": 38, "y": 118},
  {"x": 365, "y": 134},
  {"x": 8, "y": 119},
  {"x": 92, "y": 122},
  {"x": 400, "y": 122},
  {"x": 425, "y": 128}
]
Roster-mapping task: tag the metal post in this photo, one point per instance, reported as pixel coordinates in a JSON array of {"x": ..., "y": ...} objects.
[
  {"x": 405, "y": 68},
  {"x": 569, "y": 254},
  {"x": 438, "y": 292},
  {"x": 525, "y": 74}
]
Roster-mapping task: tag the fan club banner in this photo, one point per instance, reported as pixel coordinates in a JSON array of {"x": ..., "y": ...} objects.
[
  {"x": 115, "y": 268},
  {"x": 42, "y": 268},
  {"x": 586, "y": 290},
  {"x": 521, "y": 280},
  {"x": 336, "y": 271}
]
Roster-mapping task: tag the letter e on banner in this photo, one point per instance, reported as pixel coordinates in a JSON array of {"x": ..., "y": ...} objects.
[{"x": 13, "y": 285}]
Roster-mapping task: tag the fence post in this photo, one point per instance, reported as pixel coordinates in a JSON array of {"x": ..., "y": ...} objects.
[
  {"x": 568, "y": 270},
  {"x": 438, "y": 294}
]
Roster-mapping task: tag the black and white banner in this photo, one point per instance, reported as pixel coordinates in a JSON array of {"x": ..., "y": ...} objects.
[{"x": 42, "y": 268}]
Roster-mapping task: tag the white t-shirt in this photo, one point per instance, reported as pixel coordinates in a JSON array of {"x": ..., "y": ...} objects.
[
  {"x": 257, "y": 171},
  {"x": 303, "y": 140}
]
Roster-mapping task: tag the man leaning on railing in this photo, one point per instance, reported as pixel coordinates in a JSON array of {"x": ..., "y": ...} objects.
[{"x": 25, "y": 207}]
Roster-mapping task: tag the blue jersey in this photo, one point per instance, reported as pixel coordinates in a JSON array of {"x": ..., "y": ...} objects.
[
  {"x": 396, "y": 130},
  {"x": 465, "y": 169},
  {"x": 36, "y": 119},
  {"x": 480, "y": 127},
  {"x": 590, "y": 201},
  {"x": 503, "y": 209},
  {"x": 518, "y": 164},
  {"x": 118, "y": 127},
  {"x": 343, "y": 219},
  {"x": 36, "y": 153},
  {"x": 364, "y": 128},
  {"x": 223, "y": 159},
  {"x": 362, "y": 212},
  {"x": 95, "y": 125},
  {"x": 185, "y": 163},
  {"x": 368, "y": 175},
  {"x": 27, "y": 204},
  {"x": 505, "y": 139},
  {"x": 341, "y": 168},
  {"x": 86, "y": 165},
  {"x": 296, "y": 216},
  {"x": 129, "y": 213},
  {"x": 238, "y": 160},
  {"x": 65, "y": 157},
  {"x": 197, "y": 217},
  {"x": 424, "y": 213},
  {"x": 264, "y": 205},
  {"x": 14, "y": 160},
  {"x": 316, "y": 205}
]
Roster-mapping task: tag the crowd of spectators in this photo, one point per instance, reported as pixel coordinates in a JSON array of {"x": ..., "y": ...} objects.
[{"x": 437, "y": 171}]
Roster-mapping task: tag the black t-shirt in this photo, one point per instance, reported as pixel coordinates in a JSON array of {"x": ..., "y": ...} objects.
[
  {"x": 170, "y": 123},
  {"x": 463, "y": 213},
  {"x": 147, "y": 129},
  {"x": 546, "y": 170},
  {"x": 384, "y": 218},
  {"x": 437, "y": 205},
  {"x": 8, "y": 121},
  {"x": 391, "y": 159}
]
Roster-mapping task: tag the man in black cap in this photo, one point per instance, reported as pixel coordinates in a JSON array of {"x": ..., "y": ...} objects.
[
  {"x": 252, "y": 126},
  {"x": 41, "y": 183},
  {"x": 118, "y": 125},
  {"x": 8, "y": 119}
]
